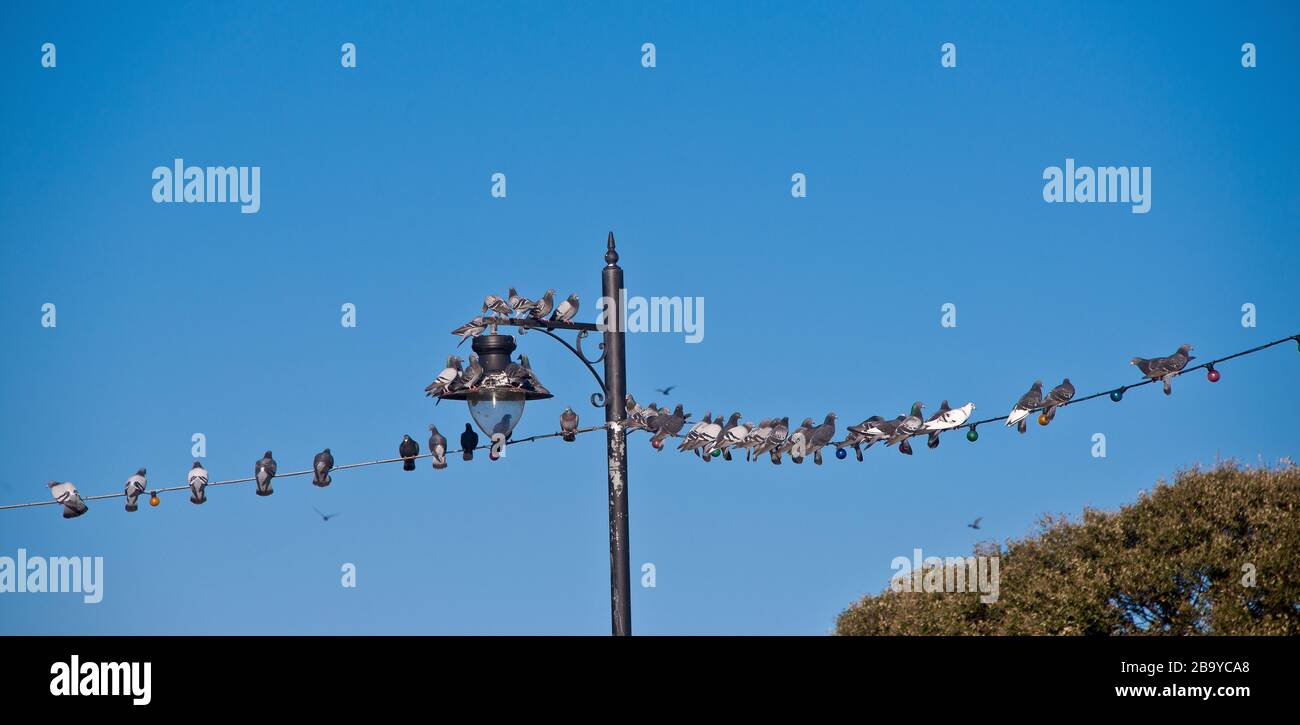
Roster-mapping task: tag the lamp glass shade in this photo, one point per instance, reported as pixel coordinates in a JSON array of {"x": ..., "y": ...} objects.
[{"x": 496, "y": 410}]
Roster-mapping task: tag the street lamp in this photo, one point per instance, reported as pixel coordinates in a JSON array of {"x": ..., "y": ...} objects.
[{"x": 496, "y": 403}]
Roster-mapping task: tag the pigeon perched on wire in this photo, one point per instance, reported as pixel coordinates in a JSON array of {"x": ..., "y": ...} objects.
[
  {"x": 820, "y": 436},
  {"x": 869, "y": 431},
  {"x": 470, "y": 329},
  {"x": 1030, "y": 400},
  {"x": 702, "y": 435},
  {"x": 757, "y": 435},
  {"x": 66, "y": 494},
  {"x": 733, "y": 436},
  {"x": 135, "y": 486},
  {"x": 669, "y": 424},
  {"x": 496, "y": 305},
  {"x": 693, "y": 436},
  {"x": 437, "y": 448},
  {"x": 1060, "y": 395},
  {"x": 719, "y": 442},
  {"x": 198, "y": 481},
  {"x": 906, "y": 428},
  {"x": 1164, "y": 369},
  {"x": 543, "y": 307},
  {"x": 775, "y": 439},
  {"x": 263, "y": 472},
  {"x": 445, "y": 378},
  {"x": 797, "y": 437},
  {"x": 569, "y": 424},
  {"x": 644, "y": 419},
  {"x": 468, "y": 442},
  {"x": 321, "y": 466},
  {"x": 567, "y": 310},
  {"x": 408, "y": 449},
  {"x": 944, "y": 419}
]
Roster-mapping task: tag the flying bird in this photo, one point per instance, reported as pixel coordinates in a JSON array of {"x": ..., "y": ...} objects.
[
  {"x": 976, "y": 523},
  {"x": 906, "y": 428},
  {"x": 543, "y": 307},
  {"x": 323, "y": 517},
  {"x": 468, "y": 442},
  {"x": 944, "y": 419},
  {"x": 437, "y": 447},
  {"x": 1165, "y": 369},
  {"x": 66, "y": 494},
  {"x": 569, "y": 424},
  {"x": 408, "y": 449},
  {"x": 665, "y": 391},
  {"x": 198, "y": 480},
  {"x": 470, "y": 329},
  {"x": 135, "y": 486},
  {"x": 567, "y": 310},
  {"x": 321, "y": 466},
  {"x": 445, "y": 378},
  {"x": 263, "y": 472},
  {"x": 1060, "y": 395},
  {"x": 1030, "y": 400}
]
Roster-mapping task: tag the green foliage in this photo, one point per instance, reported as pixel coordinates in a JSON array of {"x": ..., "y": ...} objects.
[{"x": 1177, "y": 562}]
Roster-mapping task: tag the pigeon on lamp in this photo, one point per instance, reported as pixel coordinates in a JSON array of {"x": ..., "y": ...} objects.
[
  {"x": 66, "y": 494},
  {"x": 543, "y": 307},
  {"x": 522, "y": 375},
  {"x": 567, "y": 310},
  {"x": 520, "y": 305},
  {"x": 198, "y": 480},
  {"x": 408, "y": 449},
  {"x": 445, "y": 378},
  {"x": 321, "y": 466},
  {"x": 906, "y": 428},
  {"x": 469, "y": 377},
  {"x": 797, "y": 437},
  {"x": 135, "y": 486},
  {"x": 944, "y": 419},
  {"x": 976, "y": 523},
  {"x": 468, "y": 442},
  {"x": 263, "y": 472},
  {"x": 569, "y": 424},
  {"x": 496, "y": 305},
  {"x": 1164, "y": 369},
  {"x": 668, "y": 425},
  {"x": 820, "y": 436},
  {"x": 470, "y": 329},
  {"x": 775, "y": 439},
  {"x": 1030, "y": 400},
  {"x": 437, "y": 448},
  {"x": 1060, "y": 395}
]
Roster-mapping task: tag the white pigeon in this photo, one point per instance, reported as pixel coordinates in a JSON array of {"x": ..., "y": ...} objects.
[
  {"x": 950, "y": 418},
  {"x": 198, "y": 480},
  {"x": 134, "y": 487},
  {"x": 66, "y": 494}
]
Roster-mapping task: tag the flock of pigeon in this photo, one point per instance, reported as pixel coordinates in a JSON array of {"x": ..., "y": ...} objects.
[
  {"x": 708, "y": 438},
  {"x": 455, "y": 378},
  {"x": 515, "y": 306}
]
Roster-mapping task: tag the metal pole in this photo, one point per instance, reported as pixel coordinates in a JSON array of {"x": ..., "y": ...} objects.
[{"x": 620, "y": 584}]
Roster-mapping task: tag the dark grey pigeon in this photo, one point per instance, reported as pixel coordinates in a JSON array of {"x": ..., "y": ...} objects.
[
  {"x": 135, "y": 486},
  {"x": 1027, "y": 403},
  {"x": 799, "y": 434},
  {"x": 567, "y": 310},
  {"x": 906, "y": 428},
  {"x": 1059, "y": 396},
  {"x": 669, "y": 425},
  {"x": 437, "y": 448},
  {"x": 1165, "y": 369},
  {"x": 263, "y": 472},
  {"x": 470, "y": 329},
  {"x": 408, "y": 449},
  {"x": 933, "y": 440},
  {"x": 868, "y": 431},
  {"x": 321, "y": 466},
  {"x": 198, "y": 480},
  {"x": 66, "y": 494},
  {"x": 543, "y": 307},
  {"x": 569, "y": 424},
  {"x": 820, "y": 437},
  {"x": 468, "y": 442}
]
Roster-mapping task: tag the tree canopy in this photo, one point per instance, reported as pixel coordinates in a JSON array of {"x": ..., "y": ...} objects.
[{"x": 1216, "y": 551}]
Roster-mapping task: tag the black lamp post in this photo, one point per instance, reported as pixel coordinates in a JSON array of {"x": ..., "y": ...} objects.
[{"x": 497, "y": 401}]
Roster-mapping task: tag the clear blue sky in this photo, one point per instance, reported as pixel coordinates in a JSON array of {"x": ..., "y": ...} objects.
[{"x": 924, "y": 187}]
